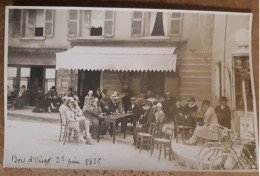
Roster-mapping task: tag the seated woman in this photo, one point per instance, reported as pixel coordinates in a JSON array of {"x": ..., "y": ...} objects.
[
  {"x": 89, "y": 99},
  {"x": 21, "y": 99},
  {"x": 204, "y": 131},
  {"x": 189, "y": 109},
  {"x": 74, "y": 113},
  {"x": 159, "y": 118}
]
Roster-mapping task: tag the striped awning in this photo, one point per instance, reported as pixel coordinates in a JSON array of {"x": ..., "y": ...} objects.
[{"x": 117, "y": 58}]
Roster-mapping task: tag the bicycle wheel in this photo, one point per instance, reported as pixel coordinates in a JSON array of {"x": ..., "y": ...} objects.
[
  {"x": 205, "y": 148},
  {"x": 209, "y": 155},
  {"x": 227, "y": 161}
]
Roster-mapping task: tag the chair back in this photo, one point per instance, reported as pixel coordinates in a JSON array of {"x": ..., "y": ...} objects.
[
  {"x": 152, "y": 128},
  {"x": 168, "y": 133},
  {"x": 73, "y": 125},
  {"x": 62, "y": 118}
]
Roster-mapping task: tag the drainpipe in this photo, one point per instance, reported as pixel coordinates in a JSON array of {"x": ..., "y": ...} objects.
[{"x": 224, "y": 57}]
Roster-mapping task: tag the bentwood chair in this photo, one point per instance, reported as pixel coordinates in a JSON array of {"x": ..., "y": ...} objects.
[
  {"x": 181, "y": 128},
  {"x": 145, "y": 139},
  {"x": 62, "y": 125},
  {"x": 164, "y": 142},
  {"x": 72, "y": 128}
]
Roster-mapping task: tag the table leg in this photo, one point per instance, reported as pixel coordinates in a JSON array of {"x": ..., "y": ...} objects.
[
  {"x": 113, "y": 132},
  {"x": 99, "y": 130}
]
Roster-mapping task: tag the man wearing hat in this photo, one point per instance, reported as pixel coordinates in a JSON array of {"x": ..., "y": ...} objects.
[
  {"x": 145, "y": 121},
  {"x": 51, "y": 99},
  {"x": 223, "y": 113},
  {"x": 137, "y": 109},
  {"x": 113, "y": 104}
]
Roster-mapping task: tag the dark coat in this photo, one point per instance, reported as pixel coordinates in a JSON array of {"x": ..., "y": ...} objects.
[
  {"x": 112, "y": 107},
  {"x": 137, "y": 111},
  {"x": 187, "y": 112},
  {"x": 224, "y": 116},
  {"x": 148, "y": 118},
  {"x": 126, "y": 103}
]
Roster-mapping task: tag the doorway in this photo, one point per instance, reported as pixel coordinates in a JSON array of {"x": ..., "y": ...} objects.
[
  {"x": 88, "y": 80},
  {"x": 36, "y": 82},
  {"x": 155, "y": 82}
]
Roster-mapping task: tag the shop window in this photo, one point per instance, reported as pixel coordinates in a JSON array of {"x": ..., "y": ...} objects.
[
  {"x": 137, "y": 23},
  {"x": 50, "y": 75},
  {"x": 12, "y": 74},
  {"x": 175, "y": 24},
  {"x": 242, "y": 77},
  {"x": 32, "y": 23},
  {"x": 25, "y": 76}
]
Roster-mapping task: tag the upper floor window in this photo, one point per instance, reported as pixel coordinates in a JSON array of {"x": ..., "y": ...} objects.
[
  {"x": 138, "y": 23},
  {"x": 176, "y": 23},
  {"x": 32, "y": 23},
  {"x": 159, "y": 24},
  {"x": 91, "y": 23}
]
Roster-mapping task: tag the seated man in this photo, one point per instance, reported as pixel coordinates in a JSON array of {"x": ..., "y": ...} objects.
[
  {"x": 137, "y": 109},
  {"x": 113, "y": 105},
  {"x": 146, "y": 120},
  {"x": 51, "y": 100},
  {"x": 223, "y": 113}
]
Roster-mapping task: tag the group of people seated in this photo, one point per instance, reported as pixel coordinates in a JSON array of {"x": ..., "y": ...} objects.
[{"x": 17, "y": 98}]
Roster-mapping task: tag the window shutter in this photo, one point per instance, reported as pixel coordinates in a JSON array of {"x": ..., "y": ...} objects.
[
  {"x": 74, "y": 23},
  {"x": 109, "y": 23},
  {"x": 17, "y": 22},
  {"x": 49, "y": 23},
  {"x": 176, "y": 24},
  {"x": 137, "y": 23}
]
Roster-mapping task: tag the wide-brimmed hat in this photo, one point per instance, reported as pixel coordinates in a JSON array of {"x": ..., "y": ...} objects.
[
  {"x": 63, "y": 93},
  {"x": 159, "y": 105},
  {"x": 53, "y": 87},
  {"x": 191, "y": 99},
  {"x": 132, "y": 98},
  {"x": 223, "y": 98},
  {"x": 23, "y": 86},
  {"x": 90, "y": 92}
]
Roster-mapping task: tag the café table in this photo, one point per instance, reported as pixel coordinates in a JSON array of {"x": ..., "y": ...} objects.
[{"x": 112, "y": 119}]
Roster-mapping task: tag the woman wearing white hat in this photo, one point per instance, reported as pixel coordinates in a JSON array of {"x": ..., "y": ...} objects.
[
  {"x": 89, "y": 99},
  {"x": 74, "y": 113},
  {"x": 159, "y": 117}
]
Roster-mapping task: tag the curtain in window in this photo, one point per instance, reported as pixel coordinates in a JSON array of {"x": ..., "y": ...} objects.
[
  {"x": 152, "y": 21},
  {"x": 166, "y": 20},
  {"x": 97, "y": 18}
]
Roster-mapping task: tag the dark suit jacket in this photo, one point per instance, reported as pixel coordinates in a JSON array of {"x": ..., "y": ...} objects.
[
  {"x": 112, "y": 107},
  {"x": 126, "y": 102},
  {"x": 148, "y": 118},
  {"x": 224, "y": 116},
  {"x": 137, "y": 111}
]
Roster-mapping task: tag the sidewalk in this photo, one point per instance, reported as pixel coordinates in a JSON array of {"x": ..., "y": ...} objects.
[
  {"x": 27, "y": 114},
  {"x": 184, "y": 155}
]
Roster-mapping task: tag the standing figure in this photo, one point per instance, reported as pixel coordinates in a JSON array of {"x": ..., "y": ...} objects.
[
  {"x": 40, "y": 101},
  {"x": 223, "y": 113},
  {"x": 51, "y": 99}
]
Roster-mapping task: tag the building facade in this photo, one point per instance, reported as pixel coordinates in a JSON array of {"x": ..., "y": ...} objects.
[{"x": 204, "y": 45}]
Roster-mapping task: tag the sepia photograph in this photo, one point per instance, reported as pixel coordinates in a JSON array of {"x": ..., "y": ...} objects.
[{"x": 129, "y": 89}]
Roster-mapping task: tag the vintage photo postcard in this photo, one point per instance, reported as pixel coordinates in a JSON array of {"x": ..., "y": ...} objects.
[{"x": 131, "y": 89}]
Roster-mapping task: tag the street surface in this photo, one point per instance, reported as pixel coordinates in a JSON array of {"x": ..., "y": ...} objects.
[{"x": 36, "y": 144}]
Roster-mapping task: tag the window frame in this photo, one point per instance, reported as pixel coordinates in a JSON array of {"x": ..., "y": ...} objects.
[
  {"x": 180, "y": 27},
  {"x": 49, "y": 21},
  {"x": 113, "y": 23},
  {"x": 78, "y": 20},
  {"x": 142, "y": 24}
]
